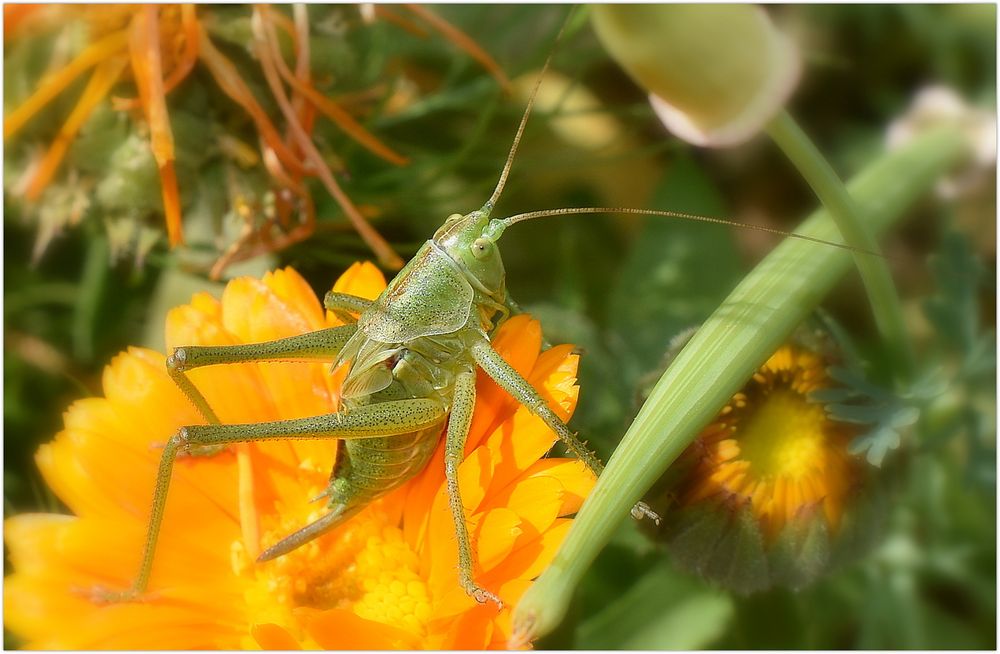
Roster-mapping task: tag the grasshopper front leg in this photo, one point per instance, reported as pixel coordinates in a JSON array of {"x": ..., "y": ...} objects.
[
  {"x": 507, "y": 378},
  {"x": 344, "y": 305},
  {"x": 462, "y": 406},
  {"x": 321, "y": 345}
]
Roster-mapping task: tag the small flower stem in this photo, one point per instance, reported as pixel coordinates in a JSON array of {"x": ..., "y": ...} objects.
[
  {"x": 850, "y": 220},
  {"x": 735, "y": 340}
]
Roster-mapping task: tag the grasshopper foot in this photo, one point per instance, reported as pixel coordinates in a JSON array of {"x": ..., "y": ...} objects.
[
  {"x": 641, "y": 510},
  {"x": 101, "y": 595},
  {"x": 201, "y": 451},
  {"x": 193, "y": 451},
  {"x": 482, "y": 595}
]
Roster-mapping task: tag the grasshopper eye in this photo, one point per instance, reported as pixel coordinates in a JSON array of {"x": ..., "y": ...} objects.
[
  {"x": 481, "y": 247},
  {"x": 452, "y": 218}
]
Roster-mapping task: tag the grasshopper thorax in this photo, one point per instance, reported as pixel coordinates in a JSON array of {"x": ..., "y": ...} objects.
[{"x": 467, "y": 242}]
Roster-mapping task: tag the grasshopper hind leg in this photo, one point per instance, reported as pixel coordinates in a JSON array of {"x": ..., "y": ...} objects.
[{"x": 338, "y": 514}]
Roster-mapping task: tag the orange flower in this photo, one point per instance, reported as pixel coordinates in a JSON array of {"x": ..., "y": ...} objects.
[
  {"x": 158, "y": 46},
  {"x": 385, "y": 579},
  {"x": 769, "y": 493},
  {"x": 774, "y": 449}
]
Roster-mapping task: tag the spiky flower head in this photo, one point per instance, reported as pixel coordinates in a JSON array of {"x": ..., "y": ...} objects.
[{"x": 770, "y": 493}]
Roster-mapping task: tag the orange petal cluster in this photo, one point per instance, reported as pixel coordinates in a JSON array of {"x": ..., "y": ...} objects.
[
  {"x": 161, "y": 44},
  {"x": 385, "y": 579},
  {"x": 774, "y": 450}
]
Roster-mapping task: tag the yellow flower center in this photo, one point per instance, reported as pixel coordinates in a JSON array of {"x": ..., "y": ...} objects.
[
  {"x": 774, "y": 450},
  {"x": 781, "y": 438},
  {"x": 364, "y": 566}
]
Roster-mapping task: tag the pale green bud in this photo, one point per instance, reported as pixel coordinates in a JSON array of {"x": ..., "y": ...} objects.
[{"x": 716, "y": 74}]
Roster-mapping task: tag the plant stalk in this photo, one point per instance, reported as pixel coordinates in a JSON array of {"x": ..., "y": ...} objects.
[
  {"x": 735, "y": 340},
  {"x": 850, "y": 220}
]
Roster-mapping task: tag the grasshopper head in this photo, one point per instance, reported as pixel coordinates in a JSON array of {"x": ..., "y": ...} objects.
[{"x": 467, "y": 242}]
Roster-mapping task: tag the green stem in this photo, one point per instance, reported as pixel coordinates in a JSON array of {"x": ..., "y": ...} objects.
[
  {"x": 850, "y": 220},
  {"x": 736, "y": 339},
  {"x": 86, "y": 311}
]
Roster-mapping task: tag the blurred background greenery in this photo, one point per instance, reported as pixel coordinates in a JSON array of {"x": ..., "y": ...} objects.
[{"x": 619, "y": 288}]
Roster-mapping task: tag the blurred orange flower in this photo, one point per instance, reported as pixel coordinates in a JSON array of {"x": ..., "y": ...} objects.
[
  {"x": 385, "y": 579},
  {"x": 774, "y": 449},
  {"x": 156, "y": 48}
]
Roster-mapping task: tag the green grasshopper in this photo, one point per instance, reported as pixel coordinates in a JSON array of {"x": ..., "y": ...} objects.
[{"x": 413, "y": 355}]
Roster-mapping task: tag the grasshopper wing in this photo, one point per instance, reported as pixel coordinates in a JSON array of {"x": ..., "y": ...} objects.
[{"x": 430, "y": 296}]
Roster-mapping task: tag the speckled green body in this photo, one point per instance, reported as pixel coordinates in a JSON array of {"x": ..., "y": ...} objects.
[{"x": 412, "y": 342}]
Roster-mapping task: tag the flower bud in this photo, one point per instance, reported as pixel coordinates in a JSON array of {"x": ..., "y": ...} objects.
[
  {"x": 770, "y": 494},
  {"x": 716, "y": 74},
  {"x": 938, "y": 105}
]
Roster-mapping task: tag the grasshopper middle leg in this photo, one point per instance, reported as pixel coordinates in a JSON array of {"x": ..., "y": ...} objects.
[{"x": 507, "y": 378}]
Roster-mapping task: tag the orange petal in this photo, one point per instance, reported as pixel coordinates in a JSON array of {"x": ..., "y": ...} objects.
[
  {"x": 439, "y": 551},
  {"x": 136, "y": 385},
  {"x": 104, "y": 77},
  {"x": 31, "y": 603},
  {"x": 463, "y": 41},
  {"x": 510, "y": 593},
  {"x": 295, "y": 291},
  {"x": 271, "y": 636},
  {"x": 472, "y": 630},
  {"x": 554, "y": 375},
  {"x": 227, "y": 388},
  {"x": 197, "y": 323},
  {"x": 144, "y": 45},
  {"x": 141, "y": 409},
  {"x": 229, "y": 80},
  {"x": 576, "y": 479},
  {"x": 340, "y": 629},
  {"x": 254, "y": 313},
  {"x": 28, "y": 537},
  {"x": 81, "y": 552},
  {"x": 53, "y": 85},
  {"x": 536, "y": 501},
  {"x": 498, "y": 529},
  {"x": 520, "y": 442},
  {"x": 362, "y": 279},
  {"x": 474, "y": 476},
  {"x": 143, "y": 627},
  {"x": 421, "y": 493},
  {"x": 203, "y": 489},
  {"x": 532, "y": 555}
]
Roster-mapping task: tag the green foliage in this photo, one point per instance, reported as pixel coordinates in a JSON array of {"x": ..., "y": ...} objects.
[{"x": 883, "y": 413}]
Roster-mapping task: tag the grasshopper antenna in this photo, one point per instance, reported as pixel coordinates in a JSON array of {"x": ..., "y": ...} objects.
[
  {"x": 524, "y": 121},
  {"x": 498, "y": 225}
]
